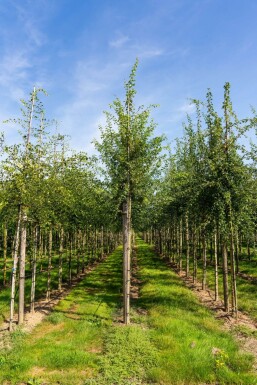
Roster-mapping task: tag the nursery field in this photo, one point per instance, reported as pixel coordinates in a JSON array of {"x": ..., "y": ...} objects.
[{"x": 172, "y": 338}]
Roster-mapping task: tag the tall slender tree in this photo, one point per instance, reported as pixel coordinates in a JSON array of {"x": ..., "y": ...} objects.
[{"x": 131, "y": 157}]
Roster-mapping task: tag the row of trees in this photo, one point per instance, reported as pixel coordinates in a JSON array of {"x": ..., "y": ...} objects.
[
  {"x": 205, "y": 207},
  {"x": 201, "y": 205},
  {"x": 53, "y": 206}
]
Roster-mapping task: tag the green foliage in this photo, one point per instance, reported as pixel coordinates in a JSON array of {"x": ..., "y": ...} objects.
[{"x": 128, "y": 150}]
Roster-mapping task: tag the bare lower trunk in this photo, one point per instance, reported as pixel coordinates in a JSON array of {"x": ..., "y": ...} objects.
[
  {"x": 22, "y": 266},
  {"x": 233, "y": 272},
  {"x": 194, "y": 256},
  {"x": 102, "y": 242},
  {"x": 225, "y": 275},
  {"x": 204, "y": 263},
  {"x": 126, "y": 260},
  {"x": 14, "y": 269},
  {"x": 84, "y": 237},
  {"x": 70, "y": 261},
  {"x": 4, "y": 252},
  {"x": 237, "y": 253},
  {"x": 180, "y": 246},
  {"x": 216, "y": 266},
  {"x": 187, "y": 247},
  {"x": 50, "y": 243},
  {"x": 34, "y": 268},
  {"x": 60, "y": 259}
]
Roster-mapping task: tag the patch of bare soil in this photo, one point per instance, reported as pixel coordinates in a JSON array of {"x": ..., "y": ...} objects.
[
  {"x": 248, "y": 343},
  {"x": 42, "y": 308}
]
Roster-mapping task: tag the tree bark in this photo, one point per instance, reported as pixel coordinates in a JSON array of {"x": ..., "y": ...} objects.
[
  {"x": 225, "y": 275},
  {"x": 232, "y": 267},
  {"x": 50, "y": 243},
  {"x": 22, "y": 265},
  {"x": 34, "y": 268},
  {"x": 70, "y": 261},
  {"x": 60, "y": 259},
  {"x": 126, "y": 260},
  {"x": 4, "y": 252},
  {"x": 194, "y": 256},
  {"x": 187, "y": 247},
  {"x": 180, "y": 246},
  {"x": 204, "y": 262},
  {"x": 14, "y": 269},
  {"x": 216, "y": 266}
]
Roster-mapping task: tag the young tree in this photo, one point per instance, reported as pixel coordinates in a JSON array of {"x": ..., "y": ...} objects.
[{"x": 131, "y": 157}]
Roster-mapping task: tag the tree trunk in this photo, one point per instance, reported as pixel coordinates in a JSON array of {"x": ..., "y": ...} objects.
[
  {"x": 126, "y": 260},
  {"x": 216, "y": 266},
  {"x": 102, "y": 242},
  {"x": 50, "y": 243},
  {"x": 4, "y": 252},
  {"x": 194, "y": 256},
  {"x": 22, "y": 266},
  {"x": 225, "y": 275},
  {"x": 70, "y": 261},
  {"x": 14, "y": 269},
  {"x": 34, "y": 268},
  {"x": 60, "y": 259},
  {"x": 232, "y": 267},
  {"x": 237, "y": 253},
  {"x": 84, "y": 237},
  {"x": 204, "y": 262},
  {"x": 180, "y": 246},
  {"x": 187, "y": 247}
]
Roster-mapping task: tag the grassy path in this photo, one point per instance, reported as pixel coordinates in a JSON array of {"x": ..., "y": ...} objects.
[{"x": 172, "y": 338}]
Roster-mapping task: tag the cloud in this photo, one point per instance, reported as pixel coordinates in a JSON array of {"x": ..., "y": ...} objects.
[
  {"x": 187, "y": 108},
  {"x": 147, "y": 54},
  {"x": 14, "y": 69},
  {"x": 31, "y": 18},
  {"x": 119, "y": 42}
]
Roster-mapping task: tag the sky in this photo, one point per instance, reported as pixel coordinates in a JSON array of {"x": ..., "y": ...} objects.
[{"x": 81, "y": 52}]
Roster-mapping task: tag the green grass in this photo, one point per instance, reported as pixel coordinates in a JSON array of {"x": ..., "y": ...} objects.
[
  {"x": 41, "y": 282},
  {"x": 185, "y": 333},
  {"x": 173, "y": 340},
  {"x": 246, "y": 290}
]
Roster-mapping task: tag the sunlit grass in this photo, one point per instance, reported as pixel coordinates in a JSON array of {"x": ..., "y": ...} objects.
[
  {"x": 41, "y": 282},
  {"x": 173, "y": 340},
  {"x": 246, "y": 290},
  {"x": 191, "y": 346}
]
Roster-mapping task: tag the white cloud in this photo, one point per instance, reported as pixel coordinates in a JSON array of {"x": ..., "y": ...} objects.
[
  {"x": 187, "y": 108},
  {"x": 30, "y": 17},
  {"x": 14, "y": 69},
  {"x": 147, "y": 54},
  {"x": 119, "y": 42}
]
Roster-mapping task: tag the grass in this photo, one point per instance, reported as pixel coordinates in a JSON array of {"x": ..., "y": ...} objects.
[
  {"x": 246, "y": 290},
  {"x": 173, "y": 340},
  {"x": 192, "y": 347},
  {"x": 41, "y": 281}
]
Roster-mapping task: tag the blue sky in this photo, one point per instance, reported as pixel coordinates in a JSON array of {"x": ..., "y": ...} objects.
[{"x": 81, "y": 52}]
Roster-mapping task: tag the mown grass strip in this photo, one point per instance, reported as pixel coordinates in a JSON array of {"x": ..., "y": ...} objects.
[
  {"x": 173, "y": 340},
  {"x": 82, "y": 341},
  {"x": 192, "y": 348},
  {"x": 66, "y": 347}
]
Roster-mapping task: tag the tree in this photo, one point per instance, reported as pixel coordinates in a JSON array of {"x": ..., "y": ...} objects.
[{"x": 131, "y": 157}]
